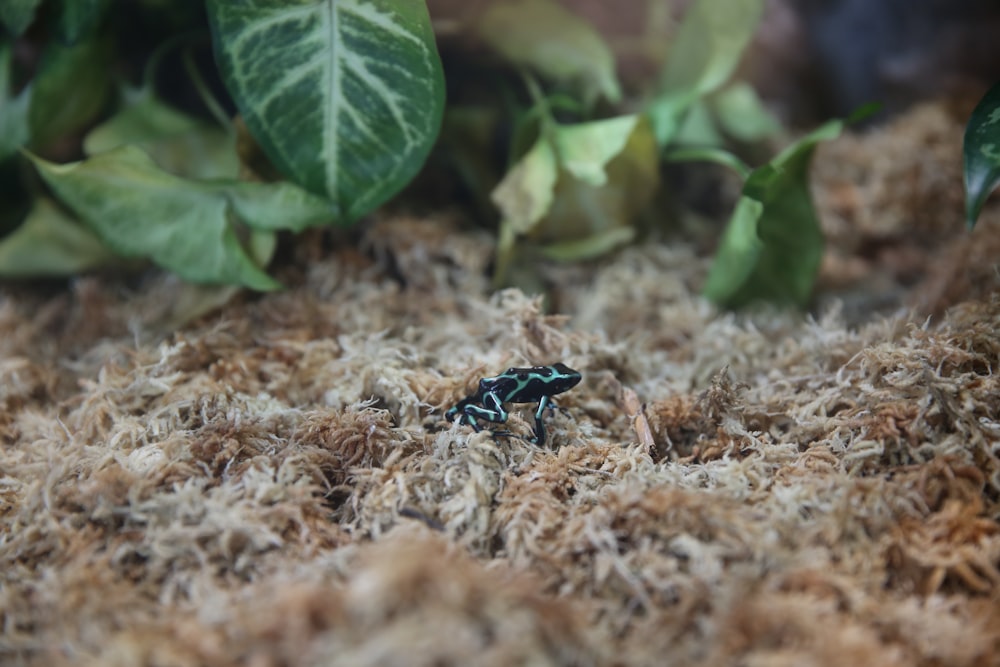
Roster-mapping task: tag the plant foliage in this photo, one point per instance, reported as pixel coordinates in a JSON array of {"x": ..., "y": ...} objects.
[
  {"x": 140, "y": 210},
  {"x": 772, "y": 247},
  {"x": 981, "y": 151},
  {"x": 345, "y": 99},
  {"x": 578, "y": 189},
  {"x": 544, "y": 37},
  {"x": 705, "y": 52},
  {"x": 344, "y": 96}
]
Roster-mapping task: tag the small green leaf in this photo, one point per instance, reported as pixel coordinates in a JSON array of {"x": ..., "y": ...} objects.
[
  {"x": 706, "y": 50},
  {"x": 70, "y": 89},
  {"x": 17, "y": 15},
  {"x": 543, "y": 36},
  {"x": 13, "y": 109},
  {"x": 79, "y": 19},
  {"x": 50, "y": 243},
  {"x": 981, "y": 149},
  {"x": 710, "y": 44},
  {"x": 345, "y": 96},
  {"x": 666, "y": 114},
  {"x": 698, "y": 127},
  {"x": 772, "y": 247},
  {"x": 139, "y": 210},
  {"x": 179, "y": 143},
  {"x": 742, "y": 115}
]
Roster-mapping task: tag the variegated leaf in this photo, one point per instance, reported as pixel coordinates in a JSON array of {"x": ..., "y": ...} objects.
[{"x": 345, "y": 96}]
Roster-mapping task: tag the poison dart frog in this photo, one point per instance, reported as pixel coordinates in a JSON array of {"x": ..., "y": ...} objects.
[{"x": 515, "y": 385}]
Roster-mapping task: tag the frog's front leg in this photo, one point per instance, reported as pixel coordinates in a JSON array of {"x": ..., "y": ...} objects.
[
  {"x": 539, "y": 438},
  {"x": 459, "y": 410}
]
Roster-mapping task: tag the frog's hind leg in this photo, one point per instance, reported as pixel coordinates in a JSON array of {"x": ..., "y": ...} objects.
[{"x": 491, "y": 411}]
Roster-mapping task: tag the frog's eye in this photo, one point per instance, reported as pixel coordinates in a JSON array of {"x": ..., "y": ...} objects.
[{"x": 522, "y": 376}]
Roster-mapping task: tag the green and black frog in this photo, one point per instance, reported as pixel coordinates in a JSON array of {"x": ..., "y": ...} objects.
[{"x": 515, "y": 385}]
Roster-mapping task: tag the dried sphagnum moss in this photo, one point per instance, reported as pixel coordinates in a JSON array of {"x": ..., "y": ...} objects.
[{"x": 275, "y": 484}]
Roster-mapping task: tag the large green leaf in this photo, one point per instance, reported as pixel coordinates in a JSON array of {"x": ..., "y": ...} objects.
[
  {"x": 70, "y": 89},
  {"x": 345, "y": 96},
  {"x": 17, "y": 15},
  {"x": 179, "y": 143},
  {"x": 13, "y": 109},
  {"x": 78, "y": 19},
  {"x": 981, "y": 149},
  {"x": 772, "y": 247},
  {"x": 139, "y": 210},
  {"x": 706, "y": 50},
  {"x": 275, "y": 206},
  {"x": 543, "y": 36}
]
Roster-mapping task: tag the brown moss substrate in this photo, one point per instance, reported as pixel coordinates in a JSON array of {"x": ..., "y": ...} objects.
[{"x": 273, "y": 484}]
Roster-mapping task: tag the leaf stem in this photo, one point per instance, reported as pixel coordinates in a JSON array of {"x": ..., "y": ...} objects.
[
  {"x": 540, "y": 105},
  {"x": 709, "y": 154},
  {"x": 205, "y": 93}
]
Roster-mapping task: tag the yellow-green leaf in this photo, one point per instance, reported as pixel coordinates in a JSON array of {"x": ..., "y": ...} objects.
[
  {"x": 525, "y": 193},
  {"x": 591, "y": 247},
  {"x": 608, "y": 173},
  {"x": 576, "y": 187}
]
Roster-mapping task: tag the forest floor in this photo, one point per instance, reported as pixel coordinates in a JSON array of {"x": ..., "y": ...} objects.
[{"x": 274, "y": 483}]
